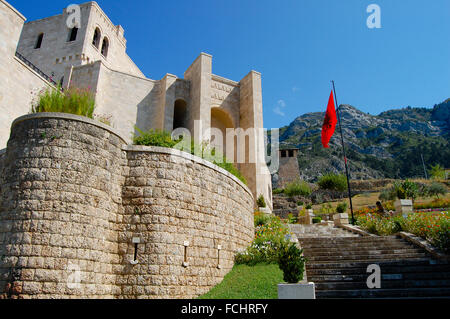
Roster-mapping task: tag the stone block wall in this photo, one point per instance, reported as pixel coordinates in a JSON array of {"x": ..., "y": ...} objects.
[
  {"x": 74, "y": 196},
  {"x": 171, "y": 198},
  {"x": 60, "y": 198}
]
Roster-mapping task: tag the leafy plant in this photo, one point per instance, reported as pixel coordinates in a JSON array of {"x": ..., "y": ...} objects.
[
  {"x": 278, "y": 191},
  {"x": 164, "y": 139},
  {"x": 436, "y": 189},
  {"x": 154, "y": 138},
  {"x": 341, "y": 208},
  {"x": 298, "y": 188},
  {"x": 73, "y": 100},
  {"x": 333, "y": 182},
  {"x": 261, "y": 201},
  {"x": 437, "y": 172},
  {"x": 317, "y": 220},
  {"x": 261, "y": 219},
  {"x": 406, "y": 189},
  {"x": 300, "y": 203},
  {"x": 269, "y": 237},
  {"x": 292, "y": 219},
  {"x": 292, "y": 263},
  {"x": 309, "y": 206}
]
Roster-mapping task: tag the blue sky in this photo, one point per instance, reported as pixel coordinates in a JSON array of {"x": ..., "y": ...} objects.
[{"x": 297, "y": 45}]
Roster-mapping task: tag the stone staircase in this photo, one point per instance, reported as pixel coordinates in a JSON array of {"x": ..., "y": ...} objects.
[{"x": 338, "y": 262}]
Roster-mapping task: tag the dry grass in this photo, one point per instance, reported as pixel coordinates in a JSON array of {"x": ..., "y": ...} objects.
[{"x": 370, "y": 199}]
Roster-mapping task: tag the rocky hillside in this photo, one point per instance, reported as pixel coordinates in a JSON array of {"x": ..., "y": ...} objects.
[{"x": 388, "y": 145}]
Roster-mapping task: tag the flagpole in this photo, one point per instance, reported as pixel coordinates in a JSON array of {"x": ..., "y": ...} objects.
[{"x": 345, "y": 155}]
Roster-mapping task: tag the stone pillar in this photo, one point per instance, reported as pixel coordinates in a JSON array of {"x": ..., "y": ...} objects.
[
  {"x": 257, "y": 174},
  {"x": 167, "y": 102},
  {"x": 199, "y": 75}
]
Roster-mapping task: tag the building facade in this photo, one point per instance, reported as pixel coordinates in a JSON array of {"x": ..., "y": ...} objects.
[{"x": 92, "y": 54}]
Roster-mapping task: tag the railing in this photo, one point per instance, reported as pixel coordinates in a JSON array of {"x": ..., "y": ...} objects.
[{"x": 35, "y": 69}]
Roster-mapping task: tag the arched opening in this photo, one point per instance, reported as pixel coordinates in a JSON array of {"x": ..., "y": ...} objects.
[
  {"x": 179, "y": 114},
  {"x": 96, "y": 39},
  {"x": 39, "y": 41},
  {"x": 222, "y": 121},
  {"x": 73, "y": 34},
  {"x": 105, "y": 47}
]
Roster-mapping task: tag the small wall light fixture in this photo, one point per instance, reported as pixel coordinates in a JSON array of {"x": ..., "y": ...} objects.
[{"x": 185, "y": 263}]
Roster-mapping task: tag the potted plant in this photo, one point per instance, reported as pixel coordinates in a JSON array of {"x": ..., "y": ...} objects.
[
  {"x": 262, "y": 206},
  {"x": 406, "y": 192},
  {"x": 292, "y": 262},
  {"x": 341, "y": 218}
]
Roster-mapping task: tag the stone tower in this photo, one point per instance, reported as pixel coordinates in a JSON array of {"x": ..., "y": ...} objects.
[{"x": 289, "y": 170}]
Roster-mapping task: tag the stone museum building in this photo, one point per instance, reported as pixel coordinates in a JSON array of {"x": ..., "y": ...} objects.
[{"x": 77, "y": 199}]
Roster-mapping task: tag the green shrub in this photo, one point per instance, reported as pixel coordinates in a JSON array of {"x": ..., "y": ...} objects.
[
  {"x": 300, "y": 203},
  {"x": 437, "y": 172},
  {"x": 261, "y": 219},
  {"x": 333, "y": 182},
  {"x": 72, "y": 100},
  {"x": 292, "y": 219},
  {"x": 342, "y": 208},
  {"x": 436, "y": 189},
  {"x": 261, "y": 202},
  {"x": 266, "y": 245},
  {"x": 278, "y": 191},
  {"x": 164, "y": 139},
  {"x": 292, "y": 263},
  {"x": 298, "y": 188},
  {"x": 154, "y": 138},
  {"x": 317, "y": 220},
  {"x": 309, "y": 206},
  {"x": 406, "y": 189},
  {"x": 387, "y": 195}
]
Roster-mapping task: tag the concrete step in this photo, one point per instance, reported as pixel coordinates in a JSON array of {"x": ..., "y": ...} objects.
[
  {"x": 394, "y": 245},
  {"x": 365, "y": 264},
  {"x": 385, "y": 293},
  {"x": 384, "y": 276},
  {"x": 386, "y": 284},
  {"x": 434, "y": 271},
  {"x": 359, "y": 251},
  {"x": 363, "y": 258}
]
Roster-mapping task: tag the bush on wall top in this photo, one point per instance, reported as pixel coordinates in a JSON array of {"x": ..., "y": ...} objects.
[
  {"x": 164, "y": 139},
  {"x": 333, "y": 182},
  {"x": 73, "y": 101}
]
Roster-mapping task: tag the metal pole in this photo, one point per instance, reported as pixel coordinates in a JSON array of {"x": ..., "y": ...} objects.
[
  {"x": 345, "y": 155},
  {"x": 424, "y": 168}
]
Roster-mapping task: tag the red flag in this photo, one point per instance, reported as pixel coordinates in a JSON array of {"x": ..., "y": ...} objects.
[{"x": 329, "y": 124}]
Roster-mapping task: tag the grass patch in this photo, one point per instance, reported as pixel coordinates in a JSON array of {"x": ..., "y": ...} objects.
[{"x": 248, "y": 282}]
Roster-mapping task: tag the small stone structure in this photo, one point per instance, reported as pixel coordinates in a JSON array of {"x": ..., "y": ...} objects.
[
  {"x": 289, "y": 170},
  {"x": 83, "y": 215}
]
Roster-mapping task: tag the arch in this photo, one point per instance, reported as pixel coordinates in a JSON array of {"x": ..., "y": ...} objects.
[
  {"x": 179, "y": 114},
  {"x": 105, "y": 47},
  {"x": 73, "y": 34},
  {"x": 39, "y": 41},
  {"x": 221, "y": 120},
  {"x": 96, "y": 38}
]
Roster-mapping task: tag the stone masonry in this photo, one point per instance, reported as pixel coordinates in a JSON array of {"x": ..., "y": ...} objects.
[{"x": 77, "y": 205}]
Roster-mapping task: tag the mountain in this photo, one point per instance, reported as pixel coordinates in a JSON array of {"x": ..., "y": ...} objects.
[{"x": 388, "y": 145}]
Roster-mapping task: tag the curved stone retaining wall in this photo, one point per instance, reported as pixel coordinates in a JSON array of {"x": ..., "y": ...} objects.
[{"x": 74, "y": 199}]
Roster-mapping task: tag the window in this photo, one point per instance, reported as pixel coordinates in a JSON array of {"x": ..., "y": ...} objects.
[
  {"x": 105, "y": 47},
  {"x": 73, "y": 34},
  {"x": 96, "y": 39},
  {"x": 291, "y": 153},
  {"x": 39, "y": 41},
  {"x": 283, "y": 154}
]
